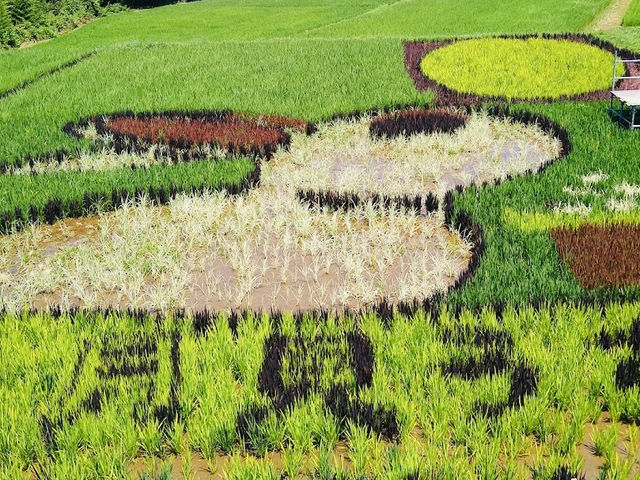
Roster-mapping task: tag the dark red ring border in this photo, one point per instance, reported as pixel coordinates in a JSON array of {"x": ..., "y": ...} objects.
[{"x": 415, "y": 51}]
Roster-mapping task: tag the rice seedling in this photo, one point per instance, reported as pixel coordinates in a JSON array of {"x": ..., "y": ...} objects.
[
  {"x": 531, "y": 67},
  {"x": 306, "y": 384},
  {"x": 176, "y": 440},
  {"x": 187, "y": 468},
  {"x": 605, "y": 440}
]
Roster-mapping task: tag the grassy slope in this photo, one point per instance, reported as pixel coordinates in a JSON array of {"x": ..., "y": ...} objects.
[
  {"x": 440, "y": 18},
  {"x": 196, "y": 22},
  {"x": 207, "y": 21}
]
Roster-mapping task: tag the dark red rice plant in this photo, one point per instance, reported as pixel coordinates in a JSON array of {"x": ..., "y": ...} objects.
[
  {"x": 601, "y": 256},
  {"x": 235, "y": 136},
  {"x": 411, "y": 122}
]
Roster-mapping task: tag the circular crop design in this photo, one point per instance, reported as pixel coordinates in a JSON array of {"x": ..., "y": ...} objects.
[{"x": 520, "y": 68}]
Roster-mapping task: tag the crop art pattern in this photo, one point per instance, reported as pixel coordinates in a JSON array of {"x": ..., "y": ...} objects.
[
  {"x": 350, "y": 215},
  {"x": 518, "y": 68},
  {"x": 441, "y": 393}
]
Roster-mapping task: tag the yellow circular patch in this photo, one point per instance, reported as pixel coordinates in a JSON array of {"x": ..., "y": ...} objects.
[{"x": 520, "y": 68}]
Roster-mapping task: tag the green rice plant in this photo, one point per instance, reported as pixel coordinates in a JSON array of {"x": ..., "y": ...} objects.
[
  {"x": 538, "y": 222},
  {"x": 251, "y": 469},
  {"x": 176, "y": 438},
  {"x": 187, "y": 467},
  {"x": 361, "y": 446},
  {"x": 428, "y": 20},
  {"x": 159, "y": 471},
  {"x": 150, "y": 438},
  {"x": 323, "y": 467},
  {"x": 605, "y": 440},
  {"x": 632, "y": 431},
  {"x": 520, "y": 68},
  {"x": 292, "y": 462}
]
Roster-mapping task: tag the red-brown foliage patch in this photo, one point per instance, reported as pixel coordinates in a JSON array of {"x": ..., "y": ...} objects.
[
  {"x": 181, "y": 133},
  {"x": 601, "y": 256},
  {"x": 185, "y": 132},
  {"x": 282, "y": 121},
  {"x": 411, "y": 122}
]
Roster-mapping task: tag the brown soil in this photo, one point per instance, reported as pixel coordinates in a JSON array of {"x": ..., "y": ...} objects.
[
  {"x": 601, "y": 255},
  {"x": 218, "y": 468},
  {"x": 592, "y": 462}
]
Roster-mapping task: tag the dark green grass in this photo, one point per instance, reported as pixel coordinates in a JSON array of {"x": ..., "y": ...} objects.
[
  {"x": 59, "y": 195},
  {"x": 632, "y": 17}
]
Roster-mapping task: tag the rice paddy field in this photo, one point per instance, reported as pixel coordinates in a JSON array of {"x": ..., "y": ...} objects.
[{"x": 269, "y": 239}]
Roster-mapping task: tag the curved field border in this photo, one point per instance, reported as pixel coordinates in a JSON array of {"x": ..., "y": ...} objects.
[
  {"x": 160, "y": 183},
  {"x": 415, "y": 51},
  {"x": 122, "y": 142},
  {"x": 454, "y": 219}
]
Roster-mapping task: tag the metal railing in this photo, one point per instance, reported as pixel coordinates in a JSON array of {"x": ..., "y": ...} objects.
[{"x": 626, "y": 115}]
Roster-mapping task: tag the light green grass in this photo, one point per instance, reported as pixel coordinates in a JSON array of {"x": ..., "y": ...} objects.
[
  {"x": 540, "y": 222},
  {"x": 443, "y": 18},
  {"x": 632, "y": 16},
  {"x": 212, "y": 375},
  {"x": 626, "y": 37},
  {"x": 515, "y": 68},
  {"x": 194, "y": 23}
]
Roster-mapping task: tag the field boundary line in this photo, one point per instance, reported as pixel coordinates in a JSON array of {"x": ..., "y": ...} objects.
[
  {"x": 609, "y": 17},
  {"x": 27, "y": 83},
  {"x": 382, "y": 7}
]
